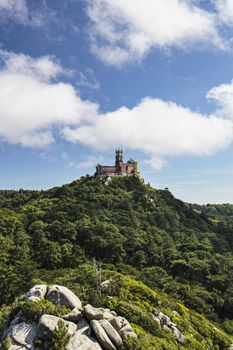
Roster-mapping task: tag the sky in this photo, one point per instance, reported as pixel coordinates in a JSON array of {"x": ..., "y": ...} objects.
[{"x": 80, "y": 78}]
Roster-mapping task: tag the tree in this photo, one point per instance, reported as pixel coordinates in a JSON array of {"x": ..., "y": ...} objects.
[{"x": 60, "y": 337}]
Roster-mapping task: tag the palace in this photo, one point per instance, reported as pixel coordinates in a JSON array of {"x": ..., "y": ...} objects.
[{"x": 120, "y": 168}]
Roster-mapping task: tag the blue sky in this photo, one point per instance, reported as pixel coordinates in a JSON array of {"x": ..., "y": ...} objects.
[{"x": 79, "y": 78}]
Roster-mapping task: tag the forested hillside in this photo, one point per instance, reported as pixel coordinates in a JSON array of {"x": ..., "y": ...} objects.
[{"x": 127, "y": 226}]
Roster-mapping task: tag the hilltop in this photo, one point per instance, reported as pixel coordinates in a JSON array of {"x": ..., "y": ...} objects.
[{"x": 131, "y": 229}]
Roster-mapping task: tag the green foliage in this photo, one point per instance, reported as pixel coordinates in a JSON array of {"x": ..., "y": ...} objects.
[
  {"x": 31, "y": 311},
  {"x": 183, "y": 249},
  {"x": 60, "y": 337},
  {"x": 6, "y": 344}
]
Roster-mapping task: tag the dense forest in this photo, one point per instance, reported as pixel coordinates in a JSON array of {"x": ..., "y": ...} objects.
[{"x": 128, "y": 227}]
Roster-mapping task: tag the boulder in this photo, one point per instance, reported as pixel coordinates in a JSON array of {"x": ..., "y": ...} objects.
[
  {"x": 127, "y": 331},
  {"x": 48, "y": 323},
  {"x": 73, "y": 316},
  {"x": 83, "y": 327},
  {"x": 36, "y": 293},
  {"x": 177, "y": 333},
  {"x": 93, "y": 313},
  {"x": 106, "y": 284},
  {"x": 119, "y": 322},
  {"x": 22, "y": 336},
  {"x": 111, "y": 333},
  {"x": 83, "y": 342},
  {"x": 101, "y": 336},
  {"x": 156, "y": 320},
  {"x": 63, "y": 296}
]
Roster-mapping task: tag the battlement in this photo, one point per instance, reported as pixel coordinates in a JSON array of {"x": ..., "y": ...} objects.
[{"x": 120, "y": 168}]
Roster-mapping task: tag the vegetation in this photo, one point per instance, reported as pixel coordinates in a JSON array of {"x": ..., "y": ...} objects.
[
  {"x": 180, "y": 249},
  {"x": 60, "y": 337}
]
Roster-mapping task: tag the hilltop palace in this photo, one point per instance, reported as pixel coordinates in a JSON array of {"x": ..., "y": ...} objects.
[{"x": 120, "y": 168}]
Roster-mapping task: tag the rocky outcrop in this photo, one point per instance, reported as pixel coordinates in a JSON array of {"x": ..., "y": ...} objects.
[
  {"x": 22, "y": 336},
  {"x": 47, "y": 325},
  {"x": 89, "y": 328},
  {"x": 73, "y": 316},
  {"x": 102, "y": 336},
  {"x": 166, "y": 324},
  {"x": 61, "y": 295},
  {"x": 36, "y": 293}
]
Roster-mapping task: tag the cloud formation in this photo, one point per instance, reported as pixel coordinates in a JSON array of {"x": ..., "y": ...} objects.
[
  {"x": 32, "y": 104},
  {"x": 157, "y": 128},
  {"x": 222, "y": 95},
  {"x": 225, "y": 11},
  {"x": 14, "y": 9},
  {"x": 36, "y": 107},
  {"x": 126, "y": 30}
]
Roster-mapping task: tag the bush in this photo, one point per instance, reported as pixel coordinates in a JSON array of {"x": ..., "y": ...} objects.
[{"x": 32, "y": 311}]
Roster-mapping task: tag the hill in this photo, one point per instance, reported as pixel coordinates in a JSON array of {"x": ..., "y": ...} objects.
[{"x": 181, "y": 249}]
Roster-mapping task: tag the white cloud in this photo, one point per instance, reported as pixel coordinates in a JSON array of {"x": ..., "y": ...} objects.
[
  {"x": 37, "y": 15},
  {"x": 156, "y": 163},
  {"x": 225, "y": 11},
  {"x": 126, "y": 30},
  {"x": 88, "y": 79},
  {"x": 31, "y": 104},
  {"x": 223, "y": 96},
  {"x": 157, "y": 128},
  {"x": 14, "y": 9},
  {"x": 35, "y": 106},
  {"x": 89, "y": 162}
]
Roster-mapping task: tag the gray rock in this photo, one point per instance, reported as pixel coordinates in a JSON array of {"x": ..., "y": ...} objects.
[
  {"x": 101, "y": 336},
  {"x": 61, "y": 295},
  {"x": 127, "y": 331},
  {"x": 156, "y": 320},
  {"x": 111, "y": 333},
  {"x": 93, "y": 313},
  {"x": 83, "y": 342},
  {"x": 22, "y": 336},
  {"x": 83, "y": 327},
  {"x": 165, "y": 320},
  {"x": 73, "y": 316},
  {"x": 166, "y": 328},
  {"x": 106, "y": 284},
  {"x": 177, "y": 333},
  {"x": 119, "y": 322},
  {"x": 47, "y": 325},
  {"x": 36, "y": 293}
]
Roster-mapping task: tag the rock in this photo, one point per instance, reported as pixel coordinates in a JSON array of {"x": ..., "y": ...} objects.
[
  {"x": 48, "y": 323},
  {"x": 156, "y": 319},
  {"x": 179, "y": 336},
  {"x": 83, "y": 342},
  {"x": 165, "y": 320},
  {"x": 127, "y": 331},
  {"x": 123, "y": 327},
  {"x": 101, "y": 336},
  {"x": 119, "y": 322},
  {"x": 83, "y": 338},
  {"x": 60, "y": 295},
  {"x": 36, "y": 293},
  {"x": 92, "y": 313},
  {"x": 111, "y": 333},
  {"x": 83, "y": 327},
  {"x": 231, "y": 347},
  {"x": 73, "y": 316},
  {"x": 22, "y": 336},
  {"x": 106, "y": 284},
  {"x": 166, "y": 328}
]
